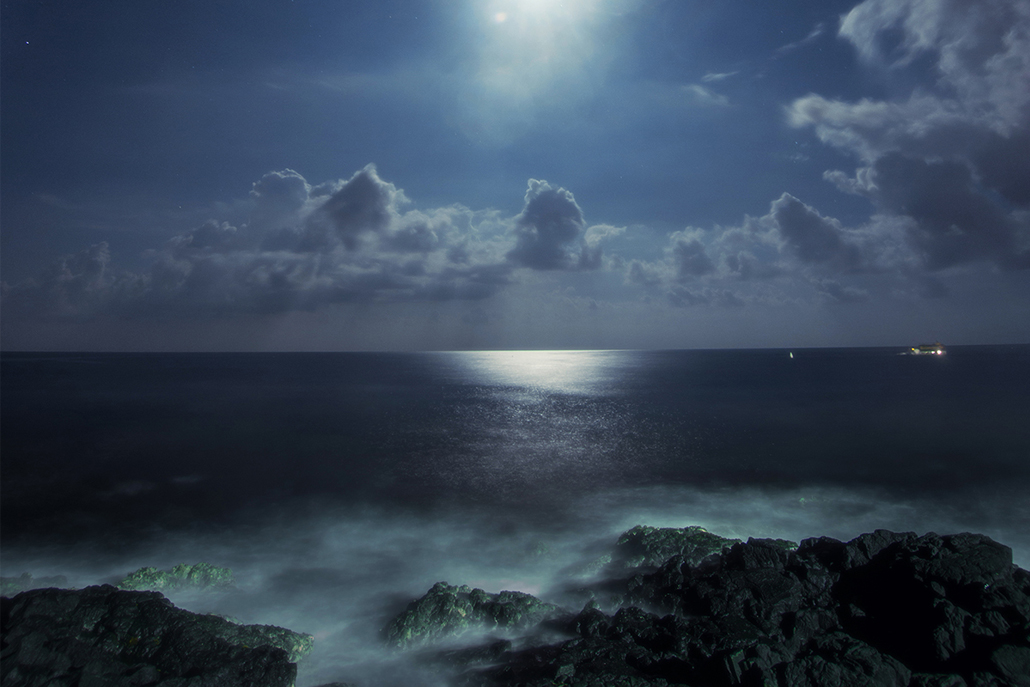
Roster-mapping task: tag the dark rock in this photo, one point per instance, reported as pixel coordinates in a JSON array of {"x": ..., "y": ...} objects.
[
  {"x": 759, "y": 554},
  {"x": 938, "y": 604},
  {"x": 882, "y": 609},
  {"x": 1013, "y": 664},
  {"x": 106, "y": 636},
  {"x": 838, "y": 660},
  {"x": 937, "y": 680},
  {"x": 489, "y": 653},
  {"x": 650, "y": 547},
  {"x": 447, "y": 610}
]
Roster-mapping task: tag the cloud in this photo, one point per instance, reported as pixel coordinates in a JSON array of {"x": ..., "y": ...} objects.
[
  {"x": 817, "y": 31},
  {"x": 713, "y": 76},
  {"x": 704, "y": 96},
  {"x": 297, "y": 246},
  {"x": 301, "y": 247},
  {"x": 682, "y": 297},
  {"x": 812, "y": 237},
  {"x": 688, "y": 255},
  {"x": 550, "y": 232},
  {"x": 678, "y": 274},
  {"x": 72, "y": 285},
  {"x": 948, "y": 161},
  {"x": 792, "y": 246},
  {"x": 835, "y": 291}
]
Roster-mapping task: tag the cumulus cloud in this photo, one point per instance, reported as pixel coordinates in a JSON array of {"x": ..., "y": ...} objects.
[
  {"x": 550, "y": 232},
  {"x": 680, "y": 274},
  {"x": 950, "y": 161},
  {"x": 298, "y": 246},
  {"x": 301, "y": 247},
  {"x": 812, "y": 237},
  {"x": 72, "y": 285},
  {"x": 793, "y": 245},
  {"x": 688, "y": 255}
]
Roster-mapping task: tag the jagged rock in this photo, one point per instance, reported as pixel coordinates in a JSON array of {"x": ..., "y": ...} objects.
[
  {"x": 447, "y": 610},
  {"x": 939, "y": 604},
  {"x": 1012, "y": 663},
  {"x": 838, "y": 660},
  {"x": 182, "y": 576},
  {"x": 645, "y": 546},
  {"x": 9, "y": 586},
  {"x": 937, "y": 680},
  {"x": 882, "y": 609},
  {"x": 106, "y": 636}
]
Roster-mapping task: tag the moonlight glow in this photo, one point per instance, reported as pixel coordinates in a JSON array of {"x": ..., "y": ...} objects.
[{"x": 495, "y": 174}]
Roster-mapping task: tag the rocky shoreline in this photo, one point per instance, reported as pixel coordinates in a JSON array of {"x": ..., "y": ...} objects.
[{"x": 665, "y": 607}]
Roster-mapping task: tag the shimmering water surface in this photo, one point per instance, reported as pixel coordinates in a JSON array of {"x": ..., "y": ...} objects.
[{"x": 338, "y": 486}]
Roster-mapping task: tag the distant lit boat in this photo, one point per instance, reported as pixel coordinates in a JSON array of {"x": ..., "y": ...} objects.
[{"x": 928, "y": 349}]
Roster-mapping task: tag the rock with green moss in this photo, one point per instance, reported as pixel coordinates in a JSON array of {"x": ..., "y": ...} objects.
[
  {"x": 448, "y": 610},
  {"x": 106, "y": 636},
  {"x": 182, "y": 576},
  {"x": 649, "y": 547}
]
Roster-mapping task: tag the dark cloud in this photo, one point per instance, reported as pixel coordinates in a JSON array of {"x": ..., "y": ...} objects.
[
  {"x": 72, "y": 286},
  {"x": 793, "y": 246},
  {"x": 364, "y": 204},
  {"x": 812, "y": 237},
  {"x": 210, "y": 237},
  {"x": 679, "y": 277},
  {"x": 644, "y": 274},
  {"x": 745, "y": 266},
  {"x": 1003, "y": 164},
  {"x": 951, "y": 161},
  {"x": 684, "y": 297},
  {"x": 956, "y": 221},
  {"x": 549, "y": 233},
  {"x": 835, "y": 291},
  {"x": 689, "y": 257}
]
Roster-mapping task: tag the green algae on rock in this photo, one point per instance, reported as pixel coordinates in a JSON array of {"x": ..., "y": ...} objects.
[
  {"x": 106, "y": 636},
  {"x": 182, "y": 576},
  {"x": 447, "y": 610},
  {"x": 645, "y": 546}
]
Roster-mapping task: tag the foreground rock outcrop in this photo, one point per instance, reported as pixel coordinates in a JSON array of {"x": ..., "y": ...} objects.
[
  {"x": 114, "y": 638},
  {"x": 883, "y": 609}
]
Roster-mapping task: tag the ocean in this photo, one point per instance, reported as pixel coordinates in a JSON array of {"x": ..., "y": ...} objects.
[{"x": 339, "y": 486}]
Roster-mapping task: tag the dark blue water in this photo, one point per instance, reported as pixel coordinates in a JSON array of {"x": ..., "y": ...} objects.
[{"x": 365, "y": 478}]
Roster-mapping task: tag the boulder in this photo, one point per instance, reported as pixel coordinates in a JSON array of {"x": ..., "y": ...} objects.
[
  {"x": 885, "y": 608},
  {"x": 106, "y": 636},
  {"x": 446, "y": 611},
  {"x": 650, "y": 547},
  {"x": 182, "y": 576}
]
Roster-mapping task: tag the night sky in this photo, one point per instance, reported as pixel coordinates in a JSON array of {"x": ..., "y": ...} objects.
[{"x": 480, "y": 174}]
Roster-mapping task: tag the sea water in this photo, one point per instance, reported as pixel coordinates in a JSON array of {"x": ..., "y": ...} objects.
[{"x": 338, "y": 487}]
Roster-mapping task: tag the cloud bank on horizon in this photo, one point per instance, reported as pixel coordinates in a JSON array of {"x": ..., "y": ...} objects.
[{"x": 943, "y": 166}]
